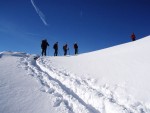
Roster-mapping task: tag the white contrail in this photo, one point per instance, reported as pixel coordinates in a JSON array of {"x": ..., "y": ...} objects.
[{"x": 42, "y": 16}]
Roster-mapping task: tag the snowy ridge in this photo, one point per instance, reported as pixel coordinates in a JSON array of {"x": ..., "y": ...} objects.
[
  {"x": 64, "y": 89},
  {"x": 78, "y": 95}
]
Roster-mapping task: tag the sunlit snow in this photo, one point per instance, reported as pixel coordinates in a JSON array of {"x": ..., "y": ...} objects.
[{"x": 112, "y": 80}]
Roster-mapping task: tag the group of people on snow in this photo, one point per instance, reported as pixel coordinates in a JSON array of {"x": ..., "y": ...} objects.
[{"x": 45, "y": 44}]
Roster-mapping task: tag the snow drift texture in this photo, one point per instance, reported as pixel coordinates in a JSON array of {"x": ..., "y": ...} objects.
[{"x": 112, "y": 80}]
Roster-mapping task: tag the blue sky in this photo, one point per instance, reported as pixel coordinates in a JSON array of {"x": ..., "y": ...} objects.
[{"x": 93, "y": 24}]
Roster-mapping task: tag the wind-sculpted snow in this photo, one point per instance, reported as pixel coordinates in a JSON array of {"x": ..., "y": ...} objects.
[{"x": 73, "y": 94}]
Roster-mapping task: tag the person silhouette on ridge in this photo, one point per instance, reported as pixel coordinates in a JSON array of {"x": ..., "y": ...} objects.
[
  {"x": 55, "y": 46},
  {"x": 76, "y": 48},
  {"x": 44, "y": 45},
  {"x": 133, "y": 37},
  {"x": 65, "y": 48}
]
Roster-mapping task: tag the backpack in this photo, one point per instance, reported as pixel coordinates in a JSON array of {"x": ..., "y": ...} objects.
[
  {"x": 65, "y": 47},
  {"x": 55, "y": 46},
  {"x": 75, "y": 46}
]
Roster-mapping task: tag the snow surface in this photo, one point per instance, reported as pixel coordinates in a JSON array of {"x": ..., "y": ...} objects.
[{"x": 112, "y": 80}]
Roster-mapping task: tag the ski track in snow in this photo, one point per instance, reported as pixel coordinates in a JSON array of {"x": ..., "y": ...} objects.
[{"x": 77, "y": 95}]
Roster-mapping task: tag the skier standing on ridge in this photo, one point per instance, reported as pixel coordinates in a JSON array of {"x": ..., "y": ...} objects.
[
  {"x": 44, "y": 46},
  {"x": 65, "y": 48},
  {"x": 55, "y": 49},
  {"x": 76, "y": 48},
  {"x": 133, "y": 37}
]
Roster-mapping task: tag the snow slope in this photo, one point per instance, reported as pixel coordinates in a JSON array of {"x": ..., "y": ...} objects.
[
  {"x": 112, "y": 80},
  {"x": 19, "y": 93},
  {"x": 127, "y": 65}
]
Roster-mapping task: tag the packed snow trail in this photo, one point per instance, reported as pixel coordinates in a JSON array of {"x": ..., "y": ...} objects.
[
  {"x": 73, "y": 94},
  {"x": 53, "y": 86}
]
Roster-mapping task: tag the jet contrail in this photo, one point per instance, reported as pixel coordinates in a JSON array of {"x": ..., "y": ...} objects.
[{"x": 42, "y": 16}]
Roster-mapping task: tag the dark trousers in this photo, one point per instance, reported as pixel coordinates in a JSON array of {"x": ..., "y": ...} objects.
[
  {"x": 133, "y": 39},
  {"x": 56, "y": 52},
  {"x": 76, "y": 51},
  {"x": 65, "y": 52},
  {"x": 44, "y": 52}
]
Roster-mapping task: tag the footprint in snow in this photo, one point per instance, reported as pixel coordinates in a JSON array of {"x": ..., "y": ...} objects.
[
  {"x": 57, "y": 101},
  {"x": 50, "y": 90}
]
